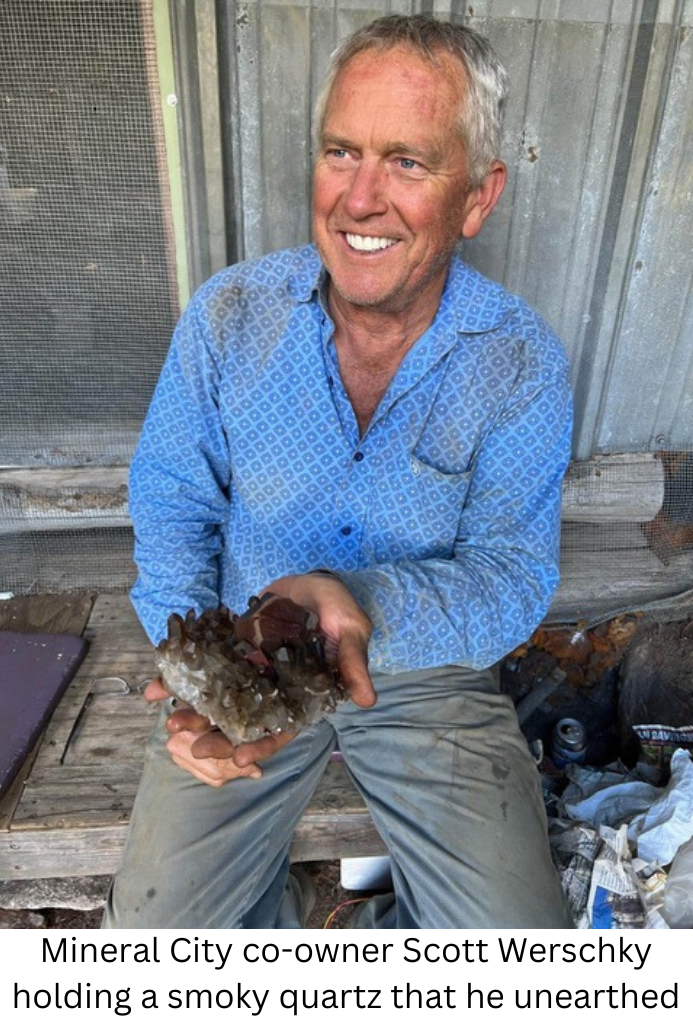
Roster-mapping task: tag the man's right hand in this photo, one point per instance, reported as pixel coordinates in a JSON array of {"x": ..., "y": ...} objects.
[{"x": 204, "y": 751}]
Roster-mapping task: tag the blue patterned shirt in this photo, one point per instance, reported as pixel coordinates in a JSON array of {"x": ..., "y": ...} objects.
[{"x": 442, "y": 519}]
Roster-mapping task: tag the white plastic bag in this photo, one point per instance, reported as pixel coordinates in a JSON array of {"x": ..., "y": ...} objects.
[{"x": 678, "y": 898}]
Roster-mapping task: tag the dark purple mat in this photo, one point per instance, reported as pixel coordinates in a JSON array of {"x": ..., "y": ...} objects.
[{"x": 35, "y": 670}]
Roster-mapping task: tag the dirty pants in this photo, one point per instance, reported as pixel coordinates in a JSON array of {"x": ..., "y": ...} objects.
[{"x": 449, "y": 782}]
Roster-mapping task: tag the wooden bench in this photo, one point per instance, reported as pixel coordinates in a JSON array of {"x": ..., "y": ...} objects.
[{"x": 70, "y": 818}]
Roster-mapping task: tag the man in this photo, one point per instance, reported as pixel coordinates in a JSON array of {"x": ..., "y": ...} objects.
[{"x": 379, "y": 433}]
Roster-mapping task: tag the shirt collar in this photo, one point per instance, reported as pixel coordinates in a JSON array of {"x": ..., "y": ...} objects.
[
  {"x": 308, "y": 275},
  {"x": 475, "y": 303}
]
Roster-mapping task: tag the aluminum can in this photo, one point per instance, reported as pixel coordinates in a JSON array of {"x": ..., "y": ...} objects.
[{"x": 569, "y": 742}]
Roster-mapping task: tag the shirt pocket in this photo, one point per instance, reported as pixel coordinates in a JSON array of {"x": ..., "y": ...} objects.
[{"x": 422, "y": 518}]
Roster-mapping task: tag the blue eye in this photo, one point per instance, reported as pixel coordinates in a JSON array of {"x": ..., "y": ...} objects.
[{"x": 408, "y": 164}]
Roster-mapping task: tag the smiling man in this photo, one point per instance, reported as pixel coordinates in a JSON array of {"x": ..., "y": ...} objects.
[{"x": 373, "y": 429}]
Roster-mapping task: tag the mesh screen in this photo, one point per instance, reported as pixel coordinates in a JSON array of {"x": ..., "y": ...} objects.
[
  {"x": 87, "y": 303},
  {"x": 627, "y": 538},
  {"x": 88, "y": 298},
  {"x": 98, "y": 560}
]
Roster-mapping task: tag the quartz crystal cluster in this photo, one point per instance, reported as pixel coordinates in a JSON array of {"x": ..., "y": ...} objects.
[{"x": 255, "y": 674}]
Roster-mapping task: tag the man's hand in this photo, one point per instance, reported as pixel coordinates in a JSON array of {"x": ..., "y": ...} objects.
[
  {"x": 204, "y": 751},
  {"x": 346, "y": 626}
]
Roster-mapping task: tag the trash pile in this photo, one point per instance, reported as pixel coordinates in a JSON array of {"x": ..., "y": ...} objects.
[
  {"x": 608, "y": 715},
  {"x": 613, "y": 838}
]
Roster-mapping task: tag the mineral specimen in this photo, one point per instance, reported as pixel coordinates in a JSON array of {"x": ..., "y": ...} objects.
[{"x": 255, "y": 674}]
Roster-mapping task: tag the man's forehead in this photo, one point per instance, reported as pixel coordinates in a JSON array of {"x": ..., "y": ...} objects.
[
  {"x": 372, "y": 63},
  {"x": 411, "y": 103}
]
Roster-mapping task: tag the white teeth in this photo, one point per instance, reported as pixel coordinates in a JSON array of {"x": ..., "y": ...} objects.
[{"x": 365, "y": 244}]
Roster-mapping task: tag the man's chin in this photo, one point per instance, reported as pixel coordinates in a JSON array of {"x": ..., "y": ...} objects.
[{"x": 378, "y": 299}]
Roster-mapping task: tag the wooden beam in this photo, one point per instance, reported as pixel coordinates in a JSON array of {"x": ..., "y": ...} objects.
[
  {"x": 40, "y": 500},
  {"x": 89, "y": 851},
  {"x": 609, "y": 568},
  {"x": 96, "y": 851},
  {"x": 614, "y": 487}
]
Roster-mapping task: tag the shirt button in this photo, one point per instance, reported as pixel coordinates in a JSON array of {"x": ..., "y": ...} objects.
[
  {"x": 345, "y": 530},
  {"x": 359, "y": 456}
]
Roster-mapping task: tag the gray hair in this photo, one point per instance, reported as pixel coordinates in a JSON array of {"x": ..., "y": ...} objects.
[{"x": 481, "y": 115}]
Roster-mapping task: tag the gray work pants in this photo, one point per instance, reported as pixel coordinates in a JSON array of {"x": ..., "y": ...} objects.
[{"x": 448, "y": 780}]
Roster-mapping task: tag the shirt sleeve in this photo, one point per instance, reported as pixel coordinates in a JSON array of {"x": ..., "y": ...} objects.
[
  {"x": 179, "y": 482},
  {"x": 475, "y": 607}
]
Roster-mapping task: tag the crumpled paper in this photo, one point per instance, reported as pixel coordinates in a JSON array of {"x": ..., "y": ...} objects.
[
  {"x": 641, "y": 828},
  {"x": 659, "y": 820}
]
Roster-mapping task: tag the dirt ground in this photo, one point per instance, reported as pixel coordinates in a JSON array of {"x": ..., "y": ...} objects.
[{"x": 325, "y": 875}]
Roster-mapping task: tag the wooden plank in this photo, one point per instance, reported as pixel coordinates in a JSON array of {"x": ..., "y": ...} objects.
[
  {"x": 62, "y": 498},
  {"x": 613, "y": 487},
  {"x": 97, "y": 851},
  {"x": 114, "y": 621},
  {"x": 89, "y": 851},
  {"x": 55, "y": 613},
  {"x": 65, "y": 445},
  {"x": 336, "y": 823},
  {"x": 335, "y": 839},
  {"x": 614, "y": 538},
  {"x": 597, "y": 582},
  {"x": 53, "y": 805},
  {"x": 98, "y": 778}
]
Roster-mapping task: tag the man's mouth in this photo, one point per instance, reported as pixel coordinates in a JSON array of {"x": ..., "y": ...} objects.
[{"x": 365, "y": 243}]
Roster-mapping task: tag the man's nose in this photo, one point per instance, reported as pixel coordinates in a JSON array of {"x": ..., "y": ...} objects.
[{"x": 367, "y": 193}]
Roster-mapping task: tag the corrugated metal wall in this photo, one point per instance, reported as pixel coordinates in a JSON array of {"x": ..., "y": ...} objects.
[{"x": 595, "y": 226}]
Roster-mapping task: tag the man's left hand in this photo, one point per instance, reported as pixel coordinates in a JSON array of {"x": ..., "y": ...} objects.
[{"x": 346, "y": 626}]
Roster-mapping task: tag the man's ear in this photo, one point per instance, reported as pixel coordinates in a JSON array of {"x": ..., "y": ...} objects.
[{"x": 482, "y": 200}]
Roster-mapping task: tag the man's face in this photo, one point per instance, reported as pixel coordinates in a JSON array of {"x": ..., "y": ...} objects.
[{"x": 391, "y": 197}]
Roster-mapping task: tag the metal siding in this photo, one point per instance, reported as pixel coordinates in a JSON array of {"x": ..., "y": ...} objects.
[
  {"x": 595, "y": 224},
  {"x": 649, "y": 400}
]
